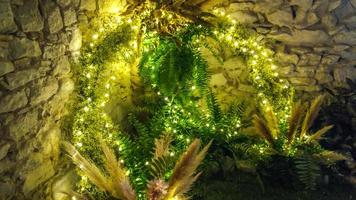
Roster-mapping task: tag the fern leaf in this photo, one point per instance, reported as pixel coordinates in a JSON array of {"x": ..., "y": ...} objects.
[
  {"x": 308, "y": 171},
  {"x": 162, "y": 145},
  {"x": 213, "y": 106},
  {"x": 159, "y": 166}
]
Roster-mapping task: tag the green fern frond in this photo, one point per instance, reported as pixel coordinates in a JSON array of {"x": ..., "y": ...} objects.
[
  {"x": 140, "y": 127},
  {"x": 308, "y": 171},
  {"x": 159, "y": 166},
  {"x": 213, "y": 106}
]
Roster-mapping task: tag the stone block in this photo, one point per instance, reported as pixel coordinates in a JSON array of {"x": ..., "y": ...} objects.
[
  {"x": 4, "y": 52},
  {"x": 308, "y": 88},
  {"x": 287, "y": 58},
  {"x": 20, "y": 78},
  {"x": 4, "y": 149},
  {"x": 323, "y": 78},
  {"x": 37, "y": 176},
  {"x": 29, "y": 16},
  {"x": 268, "y": 6},
  {"x": 23, "y": 125},
  {"x": 76, "y": 40},
  {"x": 7, "y": 23},
  {"x": 6, "y": 165},
  {"x": 64, "y": 3},
  {"x": 305, "y": 71},
  {"x": 304, "y": 5},
  {"x": 238, "y": 6},
  {"x": 344, "y": 10},
  {"x": 7, "y": 189},
  {"x": 6, "y": 67},
  {"x": 54, "y": 51},
  {"x": 329, "y": 21},
  {"x": 333, "y": 4},
  {"x": 235, "y": 63},
  {"x": 282, "y": 17},
  {"x": 346, "y": 37},
  {"x": 69, "y": 17},
  {"x": 22, "y": 47},
  {"x": 55, "y": 22},
  {"x": 88, "y": 5},
  {"x": 62, "y": 67},
  {"x": 303, "y": 37},
  {"x": 341, "y": 73},
  {"x": 23, "y": 63},
  {"x": 329, "y": 59},
  {"x": 218, "y": 80},
  {"x": 350, "y": 22},
  {"x": 13, "y": 101},
  {"x": 44, "y": 90},
  {"x": 244, "y": 17},
  {"x": 302, "y": 81},
  {"x": 49, "y": 140}
]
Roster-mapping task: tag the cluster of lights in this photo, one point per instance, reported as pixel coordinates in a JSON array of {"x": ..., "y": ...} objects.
[
  {"x": 257, "y": 56},
  {"x": 259, "y": 59},
  {"x": 94, "y": 105}
]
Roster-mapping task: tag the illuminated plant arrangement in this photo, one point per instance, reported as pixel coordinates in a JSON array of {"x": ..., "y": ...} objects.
[{"x": 162, "y": 41}]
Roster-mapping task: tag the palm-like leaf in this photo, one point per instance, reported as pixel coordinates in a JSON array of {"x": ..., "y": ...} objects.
[
  {"x": 262, "y": 129},
  {"x": 120, "y": 184},
  {"x": 272, "y": 122},
  {"x": 89, "y": 169},
  {"x": 294, "y": 121},
  {"x": 311, "y": 115},
  {"x": 319, "y": 133},
  {"x": 117, "y": 184},
  {"x": 184, "y": 173}
]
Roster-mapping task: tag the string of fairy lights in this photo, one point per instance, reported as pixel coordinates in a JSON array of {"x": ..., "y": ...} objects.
[{"x": 98, "y": 80}]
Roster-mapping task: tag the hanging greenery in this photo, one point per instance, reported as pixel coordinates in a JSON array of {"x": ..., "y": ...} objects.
[{"x": 167, "y": 37}]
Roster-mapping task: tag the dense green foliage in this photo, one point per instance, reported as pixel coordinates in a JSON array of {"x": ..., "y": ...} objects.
[{"x": 177, "y": 100}]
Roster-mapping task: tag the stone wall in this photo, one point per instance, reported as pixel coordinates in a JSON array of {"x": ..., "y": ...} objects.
[
  {"x": 314, "y": 41},
  {"x": 37, "y": 41},
  {"x": 315, "y": 44}
]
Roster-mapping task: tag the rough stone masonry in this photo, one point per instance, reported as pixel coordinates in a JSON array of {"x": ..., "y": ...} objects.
[{"x": 315, "y": 44}]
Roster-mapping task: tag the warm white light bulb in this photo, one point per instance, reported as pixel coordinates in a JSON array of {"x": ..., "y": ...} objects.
[{"x": 95, "y": 36}]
